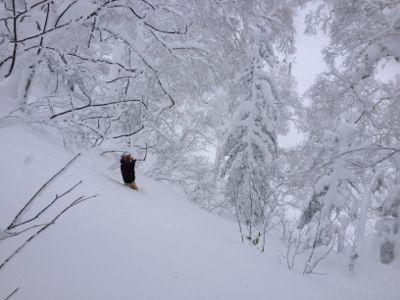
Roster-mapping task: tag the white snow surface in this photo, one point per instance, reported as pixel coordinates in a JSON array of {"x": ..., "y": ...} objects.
[{"x": 151, "y": 244}]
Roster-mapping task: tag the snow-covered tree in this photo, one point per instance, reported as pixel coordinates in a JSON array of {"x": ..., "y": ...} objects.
[
  {"x": 389, "y": 221},
  {"x": 248, "y": 158},
  {"x": 350, "y": 172},
  {"x": 250, "y": 151},
  {"x": 123, "y": 74}
]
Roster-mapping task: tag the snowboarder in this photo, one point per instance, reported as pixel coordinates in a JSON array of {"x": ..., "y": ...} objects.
[{"x": 128, "y": 170}]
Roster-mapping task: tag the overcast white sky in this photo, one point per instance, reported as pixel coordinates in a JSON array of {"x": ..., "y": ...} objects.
[
  {"x": 307, "y": 65},
  {"x": 308, "y": 61}
]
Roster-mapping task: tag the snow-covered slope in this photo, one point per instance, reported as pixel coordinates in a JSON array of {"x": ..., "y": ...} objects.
[{"x": 152, "y": 244}]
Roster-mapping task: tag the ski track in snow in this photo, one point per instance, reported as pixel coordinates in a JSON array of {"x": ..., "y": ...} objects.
[{"x": 152, "y": 244}]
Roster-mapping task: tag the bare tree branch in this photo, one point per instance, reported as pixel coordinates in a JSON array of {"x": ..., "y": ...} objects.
[
  {"x": 165, "y": 31},
  {"x": 14, "y": 53},
  {"x": 5, "y": 60},
  {"x": 149, "y": 4},
  {"x": 92, "y": 32},
  {"x": 15, "y": 221},
  {"x": 24, "y": 12},
  {"x": 64, "y": 11},
  {"x": 104, "y": 61},
  {"x": 93, "y": 105},
  {"x": 76, "y": 20},
  {"x": 123, "y": 77},
  {"x": 12, "y": 234},
  {"x": 130, "y": 9},
  {"x": 149, "y": 66},
  {"x": 75, "y": 202},
  {"x": 386, "y": 157},
  {"x": 38, "y": 3},
  {"x": 12, "y": 294},
  {"x": 122, "y": 151},
  {"x": 129, "y": 134},
  {"x": 48, "y": 206}
]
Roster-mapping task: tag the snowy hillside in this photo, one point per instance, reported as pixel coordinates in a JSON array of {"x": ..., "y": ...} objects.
[
  {"x": 152, "y": 244},
  {"x": 264, "y": 136}
]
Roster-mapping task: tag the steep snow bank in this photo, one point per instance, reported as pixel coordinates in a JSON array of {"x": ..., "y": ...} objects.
[{"x": 152, "y": 244}]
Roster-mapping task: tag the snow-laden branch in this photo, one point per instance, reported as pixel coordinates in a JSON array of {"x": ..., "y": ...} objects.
[
  {"x": 147, "y": 63},
  {"x": 90, "y": 104},
  {"x": 78, "y": 20}
]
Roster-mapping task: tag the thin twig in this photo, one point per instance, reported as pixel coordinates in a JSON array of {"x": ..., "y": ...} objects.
[
  {"x": 12, "y": 294},
  {"x": 386, "y": 157},
  {"x": 84, "y": 18},
  {"x": 16, "y": 219},
  {"x": 14, "y": 53},
  {"x": 75, "y": 202},
  {"x": 150, "y": 67},
  {"x": 57, "y": 197},
  {"x": 93, "y": 105},
  {"x": 64, "y": 11},
  {"x": 129, "y": 134},
  {"x": 12, "y": 234}
]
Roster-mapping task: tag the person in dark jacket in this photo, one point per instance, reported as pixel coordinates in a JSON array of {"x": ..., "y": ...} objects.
[{"x": 128, "y": 170}]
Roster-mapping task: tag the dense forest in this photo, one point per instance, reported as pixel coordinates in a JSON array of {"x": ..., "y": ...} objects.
[{"x": 200, "y": 92}]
